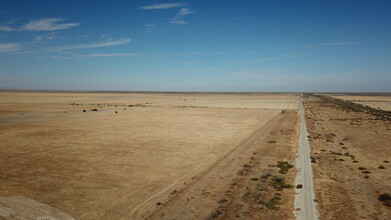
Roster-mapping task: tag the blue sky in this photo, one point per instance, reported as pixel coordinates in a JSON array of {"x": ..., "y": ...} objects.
[{"x": 140, "y": 45}]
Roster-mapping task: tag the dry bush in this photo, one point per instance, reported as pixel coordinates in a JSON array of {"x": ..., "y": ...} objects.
[{"x": 385, "y": 198}]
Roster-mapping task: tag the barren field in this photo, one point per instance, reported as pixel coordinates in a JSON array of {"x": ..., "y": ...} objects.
[
  {"x": 377, "y": 102},
  {"x": 133, "y": 155},
  {"x": 351, "y": 155}
]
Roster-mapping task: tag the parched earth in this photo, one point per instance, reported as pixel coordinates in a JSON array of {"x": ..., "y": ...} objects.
[
  {"x": 130, "y": 155},
  {"x": 351, "y": 154},
  {"x": 248, "y": 184},
  {"x": 186, "y": 156}
]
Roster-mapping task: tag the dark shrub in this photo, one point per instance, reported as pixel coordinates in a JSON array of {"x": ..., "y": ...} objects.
[
  {"x": 284, "y": 166},
  {"x": 273, "y": 203},
  {"x": 385, "y": 198}
]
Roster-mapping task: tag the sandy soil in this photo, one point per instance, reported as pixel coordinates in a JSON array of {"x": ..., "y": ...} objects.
[
  {"x": 107, "y": 165},
  {"x": 378, "y": 102},
  {"x": 348, "y": 150},
  {"x": 14, "y": 100},
  {"x": 239, "y": 186},
  {"x": 18, "y": 207}
]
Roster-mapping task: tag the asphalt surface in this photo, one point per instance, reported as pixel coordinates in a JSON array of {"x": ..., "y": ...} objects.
[{"x": 305, "y": 206}]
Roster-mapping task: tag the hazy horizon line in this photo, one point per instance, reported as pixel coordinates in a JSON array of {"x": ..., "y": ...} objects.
[{"x": 166, "y": 91}]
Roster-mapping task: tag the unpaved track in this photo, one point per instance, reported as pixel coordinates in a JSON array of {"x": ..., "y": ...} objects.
[
  {"x": 134, "y": 211},
  {"x": 200, "y": 199},
  {"x": 305, "y": 206},
  {"x": 210, "y": 176}
]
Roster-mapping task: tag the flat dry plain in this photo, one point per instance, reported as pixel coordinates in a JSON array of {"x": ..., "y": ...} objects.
[
  {"x": 375, "y": 101},
  {"x": 143, "y": 154},
  {"x": 351, "y": 152}
]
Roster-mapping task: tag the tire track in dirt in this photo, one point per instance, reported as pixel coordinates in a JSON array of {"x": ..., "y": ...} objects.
[
  {"x": 218, "y": 178},
  {"x": 146, "y": 208},
  {"x": 136, "y": 209}
]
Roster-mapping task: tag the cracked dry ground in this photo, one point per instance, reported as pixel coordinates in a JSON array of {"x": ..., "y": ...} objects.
[
  {"x": 351, "y": 155},
  {"x": 240, "y": 187}
]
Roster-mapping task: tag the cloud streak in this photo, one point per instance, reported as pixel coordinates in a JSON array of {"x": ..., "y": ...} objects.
[
  {"x": 48, "y": 36},
  {"x": 323, "y": 44},
  {"x": 93, "y": 55},
  {"x": 43, "y": 24},
  {"x": 112, "y": 55},
  {"x": 179, "y": 16},
  {"x": 182, "y": 12},
  {"x": 274, "y": 58},
  {"x": 9, "y": 47},
  {"x": 6, "y": 28},
  {"x": 178, "y": 22},
  {"x": 108, "y": 43},
  {"x": 151, "y": 27},
  {"x": 47, "y": 24},
  {"x": 162, "y": 6}
]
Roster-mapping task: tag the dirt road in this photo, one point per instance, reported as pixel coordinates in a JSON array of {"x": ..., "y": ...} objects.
[
  {"x": 233, "y": 186},
  {"x": 118, "y": 155},
  {"x": 304, "y": 199}
]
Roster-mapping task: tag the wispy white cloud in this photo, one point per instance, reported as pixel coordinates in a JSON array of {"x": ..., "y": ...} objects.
[
  {"x": 151, "y": 27},
  {"x": 68, "y": 55},
  {"x": 323, "y": 44},
  {"x": 274, "y": 58},
  {"x": 162, "y": 6},
  {"x": 183, "y": 12},
  {"x": 48, "y": 36},
  {"x": 198, "y": 53},
  {"x": 108, "y": 43},
  {"x": 47, "y": 24},
  {"x": 113, "y": 55},
  {"x": 178, "y": 22},
  {"x": 9, "y": 47},
  {"x": 179, "y": 16},
  {"x": 6, "y": 28}
]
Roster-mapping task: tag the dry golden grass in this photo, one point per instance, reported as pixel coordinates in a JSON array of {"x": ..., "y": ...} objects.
[
  {"x": 377, "y": 102},
  {"x": 102, "y": 164}
]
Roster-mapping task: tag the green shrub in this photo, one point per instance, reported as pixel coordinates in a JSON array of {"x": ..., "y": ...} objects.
[
  {"x": 274, "y": 203},
  {"x": 279, "y": 184},
  {"x": 284, "y": 166}
]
